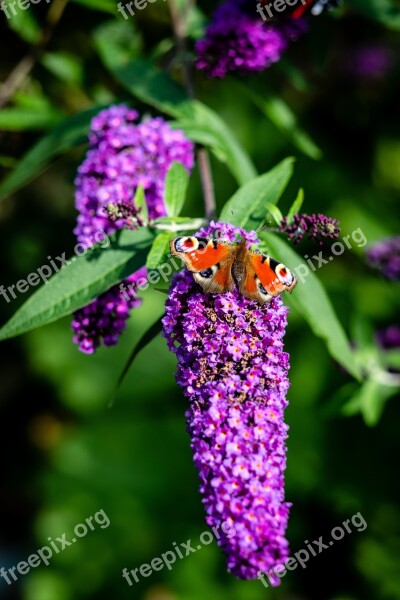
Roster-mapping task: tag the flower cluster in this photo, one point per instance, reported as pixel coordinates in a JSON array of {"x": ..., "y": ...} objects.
[
  {"x": 385, "y": 256},
  {"x": 122, "y": 155},
  {"x": 126, "y": 213},
  {"x": 104, "y": 319},
  {"x": 239, "y": 40},
  {"x": 372, "y": 62},
  {"x": 316, "y": 227},
  {"x": 232, "y": 367},
  {"x": 389, "y": 338}
]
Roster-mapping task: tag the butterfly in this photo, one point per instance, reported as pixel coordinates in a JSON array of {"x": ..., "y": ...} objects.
[{"x": 219, "y": 266}]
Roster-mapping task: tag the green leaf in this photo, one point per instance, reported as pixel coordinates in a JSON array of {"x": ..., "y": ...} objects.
[
  {"x": 154, "y": 87},
  {"x": 70, "y": 132},
  {"x": 392, "y": 358},
  {"x": 159, "y": 250},
  {"x": 64, "y": 65},
  {"x": 140, "y": 203},
  {"x": 282, "y": 116},
  {"x": 150, "y": 85},
  {"x": 275, "y": 212},
  {"x": 146, "y": 338},
  {"x": 117, "y": 42},
  {"x": 371, "y": 399},
  {"x": 293, "y": 74},
  {"x": 107, "y": 6},
  {"x": 32, "y": 97},
  {"x": 176, "y": 185},
  {"x": 8, "y": 162},
  {"x": 25, "y": 24},
  {"x": 248, "y": 206},
  {"x": 296, "y": 206},
  {"x": 312, "y": 302},
  {"x": 384, "y": 11},
  {"x": 79, "y": 282},
  {"x": 205, "y": 126},
  {"x": 22, "y": 119},
  {"x": 362, "y": 333},
  {"x": 177, "y": 223}
]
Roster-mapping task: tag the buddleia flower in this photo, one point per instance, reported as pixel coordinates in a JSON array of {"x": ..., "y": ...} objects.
[
  {"x": 372, "y": 62},
  {"x": 233, "y": 369},
  {"x": 385, "y": 257},
  {"x": 239, "y": 40},
  {"x": 122, "y": 155},
  {"x": 389, "y": 338},
  {"x": 316, "y": 227}
]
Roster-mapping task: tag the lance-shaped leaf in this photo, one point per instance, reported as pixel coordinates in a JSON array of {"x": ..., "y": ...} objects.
[
  {"x": 384, "y": 11},
  {"x": 159, "y": 249},
  {"x": 248, "y": 207},
  {"x": 176, "y": 185},
  {"x": 81, "y": 280},
  {"x": 296, "y": 206},
  {"x": 311, "y": 300},
  {"x": 282, "y": 116},
  {"x": 70, "y": 132},
  {"x": 154, "y": 87},
  {"x": 140, "y": 204}
]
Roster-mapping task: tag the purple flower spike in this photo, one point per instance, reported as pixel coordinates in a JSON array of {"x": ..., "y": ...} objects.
[
  {"x": 372, "y": 62},
  {"x": 105, "y": 318},
  {"x": 122, "y": 155},
  {"x": 232, "y": 367},
  {"x": 239, "y": 40},
  {"x": 315, "y": 227},
  {"x": 389, "y": 338},
  {"x": 385, "y": 256}
]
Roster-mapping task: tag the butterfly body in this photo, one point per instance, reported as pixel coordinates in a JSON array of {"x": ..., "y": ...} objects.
[{"x": 219, "y": 267}]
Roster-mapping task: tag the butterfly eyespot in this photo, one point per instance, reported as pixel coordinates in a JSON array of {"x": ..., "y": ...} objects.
[
  {"x": 262, "y": 289},
  {"x": 207, "y": 273},
  {"x": 284, "y": 275},
  {"x": 185, "y": 244}
]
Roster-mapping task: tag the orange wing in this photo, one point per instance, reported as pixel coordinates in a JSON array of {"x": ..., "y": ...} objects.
[
  {"x": 264, "y": 277},
  {"x": 210, "y": 262}
]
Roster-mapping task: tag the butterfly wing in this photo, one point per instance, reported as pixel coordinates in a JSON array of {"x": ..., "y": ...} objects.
[
  {"x": 210, "y": 261},
  {"x": 264, "y": 277}
]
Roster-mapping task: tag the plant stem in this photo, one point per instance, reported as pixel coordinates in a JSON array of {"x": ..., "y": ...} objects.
[{"x": 179, "y": 24}]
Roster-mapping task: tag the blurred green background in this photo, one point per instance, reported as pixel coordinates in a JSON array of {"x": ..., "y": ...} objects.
[{"x": 66, "y": 454}]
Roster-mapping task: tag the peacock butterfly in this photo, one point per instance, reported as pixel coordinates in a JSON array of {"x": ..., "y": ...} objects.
[{"x": 219, "y": 266}]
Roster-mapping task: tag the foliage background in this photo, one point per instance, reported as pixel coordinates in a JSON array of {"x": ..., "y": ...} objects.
[{"x": 66, "y": 454}]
